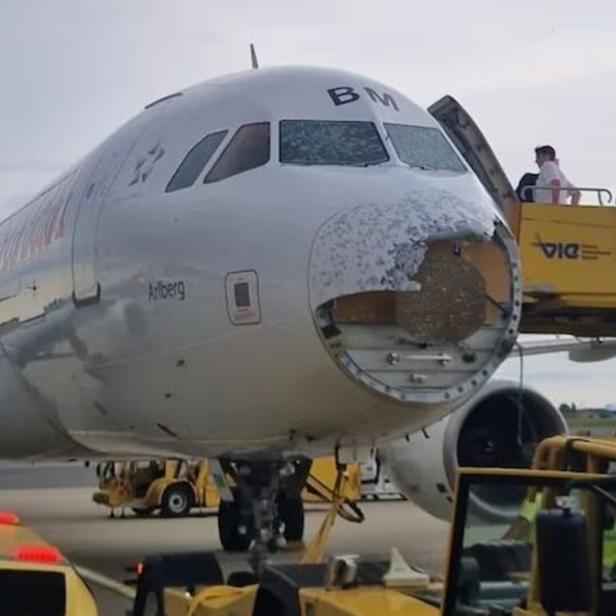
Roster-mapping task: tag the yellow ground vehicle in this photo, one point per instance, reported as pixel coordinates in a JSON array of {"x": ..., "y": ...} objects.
[
  {"x": 566, "y": 564},
  {"x": 173, "y": 486},
  {"x": 567, "y": 254},
  {"x": 35, "y": 578}
]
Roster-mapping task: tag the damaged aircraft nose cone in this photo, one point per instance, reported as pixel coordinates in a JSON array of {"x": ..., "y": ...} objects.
[
  {"x": 449, "y": 303},
  {"x": 419, "y": 300}
]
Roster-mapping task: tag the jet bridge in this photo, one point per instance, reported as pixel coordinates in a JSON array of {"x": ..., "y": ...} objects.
[{"x": 568, "y": 253}]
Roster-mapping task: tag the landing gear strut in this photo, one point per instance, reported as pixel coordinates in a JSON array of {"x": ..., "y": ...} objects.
[{"x": 266, "y": 510}]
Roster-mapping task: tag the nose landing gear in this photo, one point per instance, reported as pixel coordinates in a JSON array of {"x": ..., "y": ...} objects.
[{"x": 266, "y": 510}]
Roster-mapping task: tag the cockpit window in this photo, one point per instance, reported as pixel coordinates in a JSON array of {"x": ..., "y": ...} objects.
[
  {"x": 249, "y": 148},
  {"x": 321, "y": 142},
  {"x": 424, "y": 147},
  {"x": 194, "y": 162}
]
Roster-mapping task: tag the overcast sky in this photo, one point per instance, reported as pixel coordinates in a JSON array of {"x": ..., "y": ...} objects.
[{"x": 529, "y": 72}]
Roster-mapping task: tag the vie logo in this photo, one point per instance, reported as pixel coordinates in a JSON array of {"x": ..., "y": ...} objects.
[{"x": 560, "y": 250}]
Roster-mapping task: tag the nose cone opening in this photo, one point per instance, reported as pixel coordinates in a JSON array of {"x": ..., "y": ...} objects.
[
  {"x": 449, "y": 303},
  {"x": 443, "y": 328}
]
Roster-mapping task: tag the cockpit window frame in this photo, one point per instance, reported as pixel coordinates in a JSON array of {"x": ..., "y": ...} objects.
[
  {"x": 218, "y": 137},
  {"x": 211, "y": 178},
  {"x": 377, "y": 132},
  {"x": 462, "y": 168}
]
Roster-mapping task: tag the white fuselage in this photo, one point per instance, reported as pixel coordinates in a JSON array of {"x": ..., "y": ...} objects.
[{"x": 119, "y": 332}]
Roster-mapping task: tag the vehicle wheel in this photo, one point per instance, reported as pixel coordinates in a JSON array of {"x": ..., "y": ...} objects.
[
  {"x": 229, "y": 521},
  {"x": 176, "y": 501},
  {"x": 142, "y": 512},
  {"x": 291, "y": 512}
]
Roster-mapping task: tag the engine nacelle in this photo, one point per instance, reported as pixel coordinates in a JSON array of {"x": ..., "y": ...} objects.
[{"x": 501, "y": 426}]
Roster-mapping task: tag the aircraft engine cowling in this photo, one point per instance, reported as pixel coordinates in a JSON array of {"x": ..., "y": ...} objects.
[{"x": 499, "y": 427}]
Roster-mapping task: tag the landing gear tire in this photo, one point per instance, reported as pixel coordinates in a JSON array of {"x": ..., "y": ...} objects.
[
  {"x": 176, "y": 501},
  {"x": 229, "y": 521},
  {"x": 260, "y": 486},
  {"x": 291, "y": 512}
]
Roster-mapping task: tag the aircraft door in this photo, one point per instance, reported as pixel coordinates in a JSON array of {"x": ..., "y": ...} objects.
[
  {"x": 474, "y": 147},
  {"x": 97, "y": 186}
]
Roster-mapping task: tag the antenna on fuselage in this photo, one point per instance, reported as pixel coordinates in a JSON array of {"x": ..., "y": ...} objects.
[{"x": 253, "y": 57}]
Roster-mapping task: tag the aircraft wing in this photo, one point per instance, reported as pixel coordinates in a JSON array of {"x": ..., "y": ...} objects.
[{"x": 579, "y": 349}]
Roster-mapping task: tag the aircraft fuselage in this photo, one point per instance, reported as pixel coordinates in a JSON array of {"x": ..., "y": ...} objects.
[{"x": 139, "y": 320}]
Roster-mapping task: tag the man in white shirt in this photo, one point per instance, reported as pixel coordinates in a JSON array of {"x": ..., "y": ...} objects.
[{"x": 552, "y": 185}]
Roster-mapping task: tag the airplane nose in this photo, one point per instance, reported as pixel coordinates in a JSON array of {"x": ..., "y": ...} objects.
[{"x": 420, "y": 299}]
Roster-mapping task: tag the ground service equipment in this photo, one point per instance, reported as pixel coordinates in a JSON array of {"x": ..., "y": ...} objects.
[
  {"x": 567, "y": 254},
  {"x": 173, "y": 486},
  {"x": 35, "y": 578},
  {"x": 176, "y": 486},
  {"x": 558, "y": 556},
  {"x": 145, "y": 486}
]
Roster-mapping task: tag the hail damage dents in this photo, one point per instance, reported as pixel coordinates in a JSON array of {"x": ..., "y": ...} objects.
[{"x": 418, "y": 299}]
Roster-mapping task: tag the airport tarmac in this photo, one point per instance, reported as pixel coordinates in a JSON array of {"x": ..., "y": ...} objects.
[{"x": 68, "y": 518}]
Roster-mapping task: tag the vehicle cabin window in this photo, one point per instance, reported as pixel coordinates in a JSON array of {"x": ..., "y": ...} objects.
[
  {"x": 322, "y": 142},
  {"x": 33, "y": 592},
  {"x": 249, "y": 148},
  {"x": 424, "y": 147},
  {"x": 195, "y": 161}
]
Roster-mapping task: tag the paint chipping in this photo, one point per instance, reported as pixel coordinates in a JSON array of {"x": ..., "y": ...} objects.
[{"x": 381, "y": 246}]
